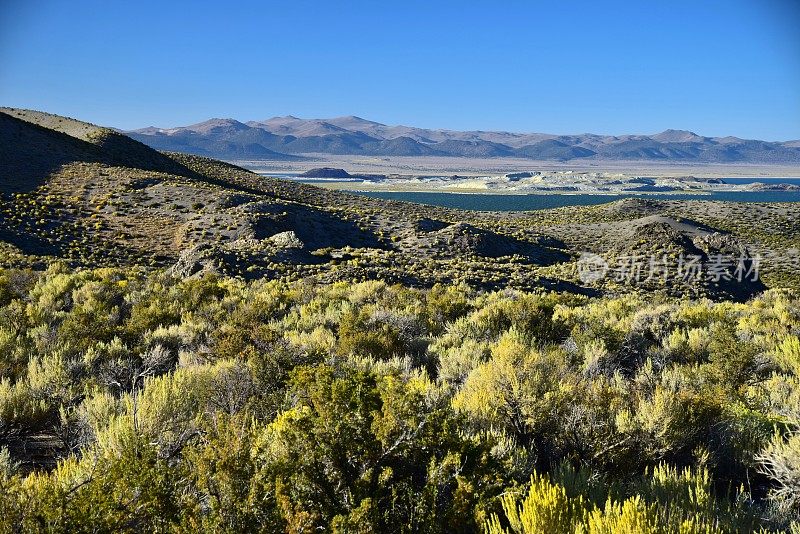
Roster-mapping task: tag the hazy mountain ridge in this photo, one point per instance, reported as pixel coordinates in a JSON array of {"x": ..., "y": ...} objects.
[{"x": 290, "y": 137}]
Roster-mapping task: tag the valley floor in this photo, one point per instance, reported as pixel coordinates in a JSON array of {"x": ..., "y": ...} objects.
[{"x": 426, "y": 165}]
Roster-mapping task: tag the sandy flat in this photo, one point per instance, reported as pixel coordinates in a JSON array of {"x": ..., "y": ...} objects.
[{"x": 473, "y": 166}]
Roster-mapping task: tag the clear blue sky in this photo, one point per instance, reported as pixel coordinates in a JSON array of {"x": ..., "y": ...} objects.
[{"x": 717, "y": 67}]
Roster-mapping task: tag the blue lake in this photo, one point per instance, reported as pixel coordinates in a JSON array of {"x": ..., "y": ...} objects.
[
  {"x": 488, "y": 202},
  {"x": 794, "y": 181},
  {"x": 527, "y": 202}
]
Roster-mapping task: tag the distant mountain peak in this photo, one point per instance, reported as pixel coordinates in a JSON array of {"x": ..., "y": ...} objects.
[
  {"x": 355, "y": 135},
  {"x": 352, "y": 122},
  {"x": 220, "y": 120},
  {"x": 672, "y": 131},
  {"x": 677, "y": 136},
  {"x": 213, "y": 125},
  {"x": 354, "y": 118}
]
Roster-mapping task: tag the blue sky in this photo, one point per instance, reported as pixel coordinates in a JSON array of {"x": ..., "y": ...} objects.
[{"x": 727, "y": 67}]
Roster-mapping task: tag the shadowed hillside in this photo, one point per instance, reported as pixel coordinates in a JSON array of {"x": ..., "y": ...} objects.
[{"x": 35, "y": 144}]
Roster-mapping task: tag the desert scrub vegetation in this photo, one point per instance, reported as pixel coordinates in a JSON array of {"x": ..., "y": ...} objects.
[{"x": 134, "y": 401}]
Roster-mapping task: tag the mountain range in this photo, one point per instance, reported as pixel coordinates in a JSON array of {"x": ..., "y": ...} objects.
[{"x": 290, "y": 138}]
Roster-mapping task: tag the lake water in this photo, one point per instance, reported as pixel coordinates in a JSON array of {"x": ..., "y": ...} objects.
[
  {"x": 484, "y": 202},
  {"x": 527, "y": 202},
  {"x": 795, "y": 181}
]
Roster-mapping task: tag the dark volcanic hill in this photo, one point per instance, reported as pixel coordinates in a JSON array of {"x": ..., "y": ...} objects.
[
  {"x": 326, "y": 172},
  {"x": 282, "y": 138}
]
